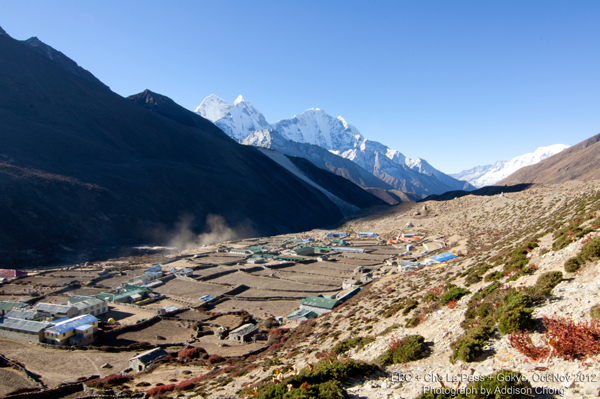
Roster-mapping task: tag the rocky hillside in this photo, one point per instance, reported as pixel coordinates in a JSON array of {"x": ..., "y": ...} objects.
[
  {"x": 517, "y": 304},
  {"x": 580, "y": 162}
]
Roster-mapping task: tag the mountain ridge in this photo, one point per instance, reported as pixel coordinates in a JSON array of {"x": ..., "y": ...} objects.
[
  {"x": 86, "y": 172},
  {"x": 314, "y": 126},
  {"x": 481, "y": 176},
  {"x": 579, "y": 162}
]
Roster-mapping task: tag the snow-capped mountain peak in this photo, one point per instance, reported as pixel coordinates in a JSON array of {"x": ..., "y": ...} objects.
[
  {"x": 238, "y": 100},
  {"x": 488, "y": 175},
  {"x": 237, "y": 120},
  {"x": 245, "y": 123},
  {"x": 213, "y": 108}
]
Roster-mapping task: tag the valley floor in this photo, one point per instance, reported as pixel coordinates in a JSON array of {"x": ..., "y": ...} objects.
[{"x": 504, "y": 243}]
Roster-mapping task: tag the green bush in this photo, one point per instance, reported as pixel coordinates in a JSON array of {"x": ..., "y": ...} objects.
[
  {"x": 453, "y": 294},
  {"x": 514, "y": 320},
  {"x": 347, "y": 344},
  {"x": 493, "y": 276},
  {"x": 544, "y": 285},
  {"x": 470, "y": 345},
  {"x": 475, "y": 273},
  {"x": 410, "y": 349},
  {"x": 518, "y": 257},
  {"x": 515, "y": 315},
  {"x": 385, "y": 358},
  {"x": 412, "y": 322},
  {"x": 324, "y": 381},
  {"x": 595, "y": 312},
  {"x": 410, "y": 305},
  {"x": 484, "y": 292},
  {"x": 514, "y": 300},
  {"x": 572, "y": 265},
  {"x": 591, "y": 250},
  {"x": 472, "y": 279}
]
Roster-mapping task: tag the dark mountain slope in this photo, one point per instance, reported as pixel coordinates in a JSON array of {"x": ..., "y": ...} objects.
[
  {"x": 164, "y": 106},
  {"x": 84, "y": 170},
  {"x": 68, "y": 64},
  {"x": 337, "y": 185},
  {"x": 579, "y": 162}
]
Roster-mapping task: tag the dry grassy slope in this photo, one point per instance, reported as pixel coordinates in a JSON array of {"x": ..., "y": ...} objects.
[{"x": 479, "y": 228}]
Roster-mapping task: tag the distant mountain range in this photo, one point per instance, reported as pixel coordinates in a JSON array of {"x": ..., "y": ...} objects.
[
  {"x": 579, "y": 162},
  {"x": 481, "y": 176},
  {"x": 86, "y": 173},
  {"x": 329, "y": 143}
]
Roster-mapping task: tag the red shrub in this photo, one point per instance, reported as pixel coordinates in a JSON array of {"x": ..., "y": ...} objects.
[
  {"x": 452, "y": 304},
  {"x": 572, "y": 340},
  {"x": 160, "y": 389},
  {"x": 521, "y": 341},
  {"x": 394, "y": 344},
  {"x": 275, "y": 346},
  {"x": 185, "y": 385},
  {"x": 567, "y": 339},
  {"x": 533, "y": 266},
  {"x": 437, "y": 291},
  {"x": 106, "y": 382},
  {"x": 279, "y": 331},
  {"x": 212, "y": 359},
  {"x": 191, "y": 353}
]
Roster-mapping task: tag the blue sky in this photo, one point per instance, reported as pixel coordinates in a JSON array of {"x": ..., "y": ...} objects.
[{"x": 458, "y": 83}]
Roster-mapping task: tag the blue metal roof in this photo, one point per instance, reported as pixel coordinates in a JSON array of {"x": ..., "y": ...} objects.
[
  {"x": 443, "y": 257},
  {"x": 84, "y": 327},
  {"x": 207, "y": 298},
  {"x": 72, "y": 324}
]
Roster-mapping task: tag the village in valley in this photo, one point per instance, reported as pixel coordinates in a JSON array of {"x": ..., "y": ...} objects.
[
  {"x": 223, "y": 320},
  {"x": 223, "y": 298}
]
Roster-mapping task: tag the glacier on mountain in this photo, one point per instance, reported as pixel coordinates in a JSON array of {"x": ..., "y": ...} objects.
[
  {"x": 243, "y": 122},
  {"x": 487, "y": 175}
]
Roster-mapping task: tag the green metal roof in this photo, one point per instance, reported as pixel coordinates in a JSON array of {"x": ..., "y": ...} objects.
[
  {"x": 298, "y": 313},
  {"x": 8, "y": 305},
  {"x": 137, "y": 288},
  {"x": 322, "y": 248},
  {"x": 319, "y": 302}
]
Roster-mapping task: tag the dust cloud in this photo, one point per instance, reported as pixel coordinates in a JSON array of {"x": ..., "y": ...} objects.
[{"x": 216, "y": 230}]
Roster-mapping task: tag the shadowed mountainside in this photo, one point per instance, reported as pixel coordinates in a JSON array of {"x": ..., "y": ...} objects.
[
  {"x": 85, "y": 171},
  {"x": 338, "y": 186}
]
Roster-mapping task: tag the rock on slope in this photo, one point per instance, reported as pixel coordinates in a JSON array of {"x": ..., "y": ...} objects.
[
  {"x": 487, "y": 175},
  {"x": 579, "y": 162}
]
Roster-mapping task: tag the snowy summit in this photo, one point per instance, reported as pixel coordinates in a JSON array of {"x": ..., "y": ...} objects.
[{"x": 481, "y": 176}]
